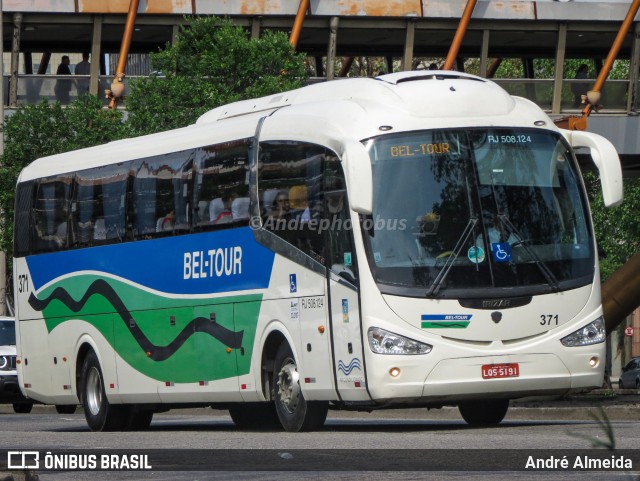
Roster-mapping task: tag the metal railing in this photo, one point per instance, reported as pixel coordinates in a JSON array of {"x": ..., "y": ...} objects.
[
  {"x": 63, "y": 88},
  {"x": 66, "y": 88}
]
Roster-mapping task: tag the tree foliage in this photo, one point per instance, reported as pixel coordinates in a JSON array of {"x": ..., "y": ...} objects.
[
  {"x": 211, "y": 63},
  {"x": 43, "y": 129},
  {"x": 617, "y": 229}
]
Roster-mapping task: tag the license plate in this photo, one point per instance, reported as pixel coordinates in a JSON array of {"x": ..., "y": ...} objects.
[{"x": 493, "y": 371}]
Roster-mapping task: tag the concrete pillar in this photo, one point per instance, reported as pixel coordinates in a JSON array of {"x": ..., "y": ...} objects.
[
  {"x": 407, "y": 58},
  {"x": 96, "y": 52},
  {"x": 15, "y": 58},
  {"x": 256, "y": 24},
  {"x": 633, "y": 70},
  {"x": 331, "y": 51},
  {"x": 559, "y": 71},
  {"x": 484, "y": 53}
]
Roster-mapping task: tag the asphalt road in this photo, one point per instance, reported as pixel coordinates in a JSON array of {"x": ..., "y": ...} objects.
[{"x": 202, "y": 444}]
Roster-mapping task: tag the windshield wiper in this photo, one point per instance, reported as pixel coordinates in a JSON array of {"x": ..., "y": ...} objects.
[
  {"x": 437, "y": 282},
  {"x": 544, "y": 269}
]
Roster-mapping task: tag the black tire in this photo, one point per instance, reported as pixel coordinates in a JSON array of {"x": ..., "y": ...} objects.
[
  {"x": 255, "y": 415},
  {"x": 100, "y": 415},
  {"x": 620, "y": 385},
  {"x": 22, "y": 408},
  {"x": 66, "y": 408},
  {"x": 295, "y": 413},
  {"x": 484, "y": 413}
]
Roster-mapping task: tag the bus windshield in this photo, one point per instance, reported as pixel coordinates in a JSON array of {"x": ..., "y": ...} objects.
[{"x": 477, "y": 209}]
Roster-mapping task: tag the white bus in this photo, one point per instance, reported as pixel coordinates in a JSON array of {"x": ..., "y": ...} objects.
[{"x": 420, "y": 239}]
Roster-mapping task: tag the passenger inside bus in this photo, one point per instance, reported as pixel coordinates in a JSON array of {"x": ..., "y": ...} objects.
[
  {"x": 240, "y": 208},
  {"x": 226, "y": 215},
  {"x": 299, "y": 203},
  {"x": 280, "y": 207}
]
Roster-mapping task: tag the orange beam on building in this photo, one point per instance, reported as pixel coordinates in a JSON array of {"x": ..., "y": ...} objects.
[
  {"x": 457, "y": 39},
  {"x": 613, "y": 54},
  {"x": 493, "y": 68},
  {"x": 297, "y": 24},
  {"x": 346, "y": 66},
  {"x": 117, "y": 86}
]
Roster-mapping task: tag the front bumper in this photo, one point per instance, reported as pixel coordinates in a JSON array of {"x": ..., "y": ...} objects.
[
  {"x": 10, "y": 389},
  {"x": 460, "y": 379}
]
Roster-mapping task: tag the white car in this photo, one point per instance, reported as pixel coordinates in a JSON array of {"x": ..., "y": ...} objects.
[{"x": 9, "y": 387}]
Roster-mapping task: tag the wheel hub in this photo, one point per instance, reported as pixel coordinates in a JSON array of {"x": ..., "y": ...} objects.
[
  {"x": 94, "y": 391},
  {"x": 289, "y": 386}
]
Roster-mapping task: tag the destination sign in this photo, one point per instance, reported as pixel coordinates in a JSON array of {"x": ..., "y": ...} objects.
[{"x": 420, "y": 149}]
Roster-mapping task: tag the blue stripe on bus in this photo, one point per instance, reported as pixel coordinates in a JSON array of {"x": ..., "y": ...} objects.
[{"x": 211, "y": 262}]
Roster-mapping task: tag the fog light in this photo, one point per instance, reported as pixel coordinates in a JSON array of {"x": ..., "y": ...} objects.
[
  {"x": 394, "y": 371},
  {"x": 594, "y": 361}
]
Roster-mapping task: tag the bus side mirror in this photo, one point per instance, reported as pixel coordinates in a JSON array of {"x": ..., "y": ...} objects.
[
  {"x": 606, "y": 158},
  {"x": 357, "y": 164}
]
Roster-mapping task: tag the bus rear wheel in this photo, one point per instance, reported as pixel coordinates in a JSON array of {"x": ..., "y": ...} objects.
[
  {"x": 294, "y": 411},
  {"x": 100, "y": 415},
  {"x": 484, "y": 413}
]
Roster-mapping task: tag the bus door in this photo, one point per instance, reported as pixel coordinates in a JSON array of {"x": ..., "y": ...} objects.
[
  {"x": 344, "y": 309},
  {"x": 347, "y": 339}
]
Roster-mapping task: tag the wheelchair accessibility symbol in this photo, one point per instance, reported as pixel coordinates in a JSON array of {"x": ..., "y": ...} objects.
[{"x": 501, "y": 251}]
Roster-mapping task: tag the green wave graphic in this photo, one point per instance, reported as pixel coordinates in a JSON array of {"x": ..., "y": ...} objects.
[{"x": 200, "y": 358}]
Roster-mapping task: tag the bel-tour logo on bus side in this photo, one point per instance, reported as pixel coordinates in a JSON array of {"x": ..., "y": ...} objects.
[
  {"x": 218, "y": 262},
  {"x": 445, "y": 321}
]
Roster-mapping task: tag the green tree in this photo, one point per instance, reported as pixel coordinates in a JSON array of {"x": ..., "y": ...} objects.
[
  {"x": 617, "y": 229},
  {"x": 211, "y": 63},
  {"x": 43, "y": 129}
]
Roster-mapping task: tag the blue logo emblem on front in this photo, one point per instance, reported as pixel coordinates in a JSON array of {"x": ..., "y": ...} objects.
[
  {"x": 501, "y": 251},
  {"x": 293, "y": 284}
]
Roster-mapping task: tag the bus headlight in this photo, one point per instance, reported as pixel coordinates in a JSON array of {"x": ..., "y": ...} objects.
[
  {"x": 4, "y": 362},
  {"x": 592, "y": 333},
  {"x": 385, "y": 342}
]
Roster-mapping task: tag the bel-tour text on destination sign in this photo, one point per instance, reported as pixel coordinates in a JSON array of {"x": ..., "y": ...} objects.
[{"x": 219, "y": 262}]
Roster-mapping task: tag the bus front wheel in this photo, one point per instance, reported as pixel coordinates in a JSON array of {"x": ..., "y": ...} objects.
[
  {"x": 484, "y": 413},
  {"x": 294, "y": 411},
  {"x": 100, "y": 415}
]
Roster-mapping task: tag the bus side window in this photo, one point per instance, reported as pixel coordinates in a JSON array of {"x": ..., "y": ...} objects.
[
  {"x": 291, "y": 192},
  {"x": 220, "y": 187},
  {"x": 341, "y": 252},
  {"x": 23, "y": 224},
  {"x": 160, "y": 195},
  {"x": 50, "y": 213}
]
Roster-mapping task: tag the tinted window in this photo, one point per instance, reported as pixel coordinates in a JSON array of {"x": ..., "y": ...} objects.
[
  {"x": 303, "y": 200},
  {"x": 160, "y": 194},
  {"x": 221, "y": 190},
  {"x": 50, "y": 213},
  {"x": 7, "y": 333},
  {"x": 477, "y": 209},
  {"x": 99, "y": 205}
]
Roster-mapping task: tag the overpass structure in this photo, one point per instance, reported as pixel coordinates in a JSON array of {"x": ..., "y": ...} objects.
[{"x": 402, "y": 32}]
